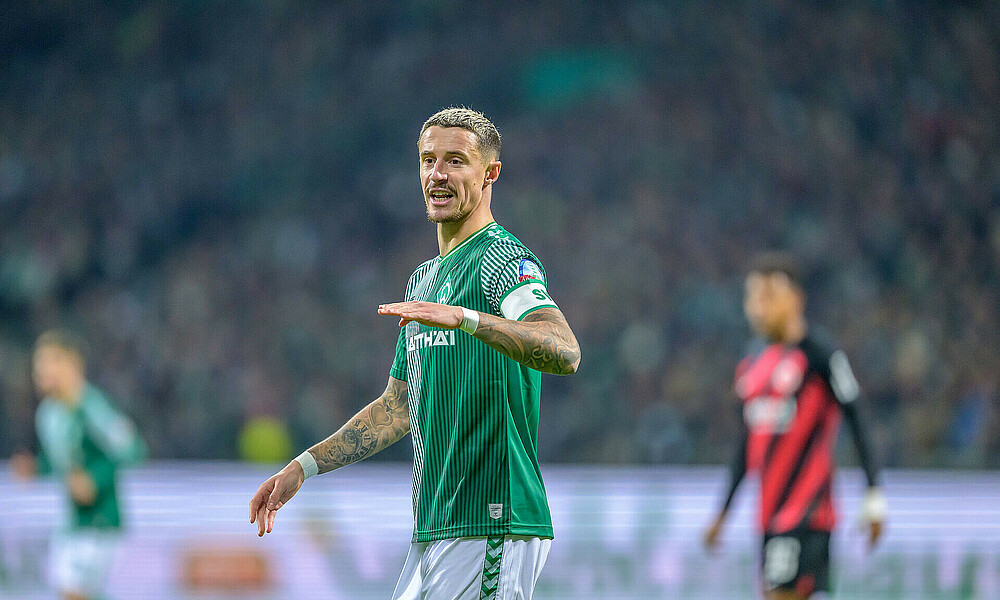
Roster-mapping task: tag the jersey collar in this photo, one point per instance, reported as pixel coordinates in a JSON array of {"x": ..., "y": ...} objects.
[{"x": 469, "y": 239}]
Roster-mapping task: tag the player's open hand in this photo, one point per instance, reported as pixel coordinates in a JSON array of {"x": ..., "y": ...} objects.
[
  {"x": 82, "y": 488},
  {"x": 430, "y": 314},
  {"x": 873, "y": 513},
  {"x": 24, "y": 466},
  {"x": 273, "y": 494},
  {"x": 875, "y": 529}
]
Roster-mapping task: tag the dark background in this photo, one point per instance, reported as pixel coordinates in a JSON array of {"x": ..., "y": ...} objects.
[{"x": 218, "y": 195}]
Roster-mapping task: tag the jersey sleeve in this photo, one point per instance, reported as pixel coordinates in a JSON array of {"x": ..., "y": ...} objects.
[
  {"x": 42, "y": 464},
  {"x": 55, "y": 443},
  {"x": 841, "y": 378},
  {"x": 832, "y": 364},
  {"x": 115, "y": 433},
  {"x": 398, "y": 369},
  {"x": 514, "y": 282},
  {"x": 738, "y": 462}
]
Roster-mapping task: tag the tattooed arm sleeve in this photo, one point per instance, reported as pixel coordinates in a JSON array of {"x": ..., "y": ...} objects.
[
  {"x": 376, "y": 427},
  {"x": 542, "y": 340}
]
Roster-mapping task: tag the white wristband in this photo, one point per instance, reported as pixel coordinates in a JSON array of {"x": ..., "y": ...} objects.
[
  {"x": 470, "y": 321},
  {"x": 874, "y": 507},
  {"x": 309, "y": 466}
]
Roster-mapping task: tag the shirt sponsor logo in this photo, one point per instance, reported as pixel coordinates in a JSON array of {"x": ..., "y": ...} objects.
[
  {"x": 769, "y": 414},
  {"x": 427, "y": 339},
  {"x": 787, "y": 377},
  {"x": 496, "y": 511},
  {"x": 527, "y": 269}
]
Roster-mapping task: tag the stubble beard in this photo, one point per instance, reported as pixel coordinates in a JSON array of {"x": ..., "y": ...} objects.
[
  {"x": 456, "y": 217},
  {"x": 452, "y": 218}
]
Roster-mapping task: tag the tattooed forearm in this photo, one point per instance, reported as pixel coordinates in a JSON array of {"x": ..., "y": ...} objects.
[
  {"x": 376, "y": 427},
  {"x": 542, "y": 341}
]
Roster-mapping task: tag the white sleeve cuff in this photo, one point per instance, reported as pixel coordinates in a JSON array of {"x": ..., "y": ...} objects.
[
  {"x": 470, "y": 321},
  {"x": 309, "y": 466},
  {"x": 874, "y": 507}
]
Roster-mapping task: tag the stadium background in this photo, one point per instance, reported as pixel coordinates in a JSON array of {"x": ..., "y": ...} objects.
[{"x": 218, "y": 195}]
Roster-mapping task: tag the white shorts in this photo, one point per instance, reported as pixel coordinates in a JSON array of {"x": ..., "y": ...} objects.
[
  {"x": 81, "y": 560},
  {"x": 494, "y": 568}
]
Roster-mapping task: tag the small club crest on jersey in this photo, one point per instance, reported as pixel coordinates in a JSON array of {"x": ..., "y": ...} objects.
[
  {"x": 770, "y": 414},
  {"x": 527, "y": 269},
  {"x": 444, "y": 294},
  {"x": 496, "y": 511}
]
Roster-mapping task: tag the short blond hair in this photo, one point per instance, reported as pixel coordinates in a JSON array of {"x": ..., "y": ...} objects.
[
  {"x": 64, "y": 340},
  {"x": 487, "y": 135}
]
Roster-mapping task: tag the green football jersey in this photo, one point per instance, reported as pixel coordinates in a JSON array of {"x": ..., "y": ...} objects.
[
  {"x": 92, "y": 436},
  {"x": 473, "y": 411}
]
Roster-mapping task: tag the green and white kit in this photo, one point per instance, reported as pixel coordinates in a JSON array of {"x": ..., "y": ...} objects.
[
  {"x": 95, "y": 437},
  {"x": 473, "y": 411}
]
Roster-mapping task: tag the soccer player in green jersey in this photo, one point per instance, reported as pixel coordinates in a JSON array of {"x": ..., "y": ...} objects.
[
  {"x": 83, "y": 440},
  {"x": 478, "y": 328}
]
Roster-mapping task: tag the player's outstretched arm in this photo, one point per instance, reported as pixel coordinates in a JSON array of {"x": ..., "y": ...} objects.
[
  {"x": 542, "y": 340},
  {"x": 376, "y": 427}
]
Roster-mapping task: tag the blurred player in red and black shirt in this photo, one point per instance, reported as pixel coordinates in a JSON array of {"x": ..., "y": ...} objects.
[{"x": 794, "y": 387}]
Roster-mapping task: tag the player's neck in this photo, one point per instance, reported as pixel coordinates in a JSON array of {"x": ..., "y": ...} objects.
[
  {"x": 451, "y": 235},
  {"x": 795, "y": 330},
  {"x": 71, "y": 392}
]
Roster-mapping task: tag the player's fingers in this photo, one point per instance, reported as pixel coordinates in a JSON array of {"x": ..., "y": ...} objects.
[
  {"x": 875, "y": 532},
  {"x": 261, "y": 520},
  {"x": 394, "y": 307},
  {"x": 710, "y": 541},
  {"x": 274, "y": 500},
  {"x": 255, "y": 502},
  {"x": 270, "y": 519}
]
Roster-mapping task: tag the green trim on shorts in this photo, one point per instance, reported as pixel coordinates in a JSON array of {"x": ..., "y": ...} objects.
[{"x": 491, "y": 567}]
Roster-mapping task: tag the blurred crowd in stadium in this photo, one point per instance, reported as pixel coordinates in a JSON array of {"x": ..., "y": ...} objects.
[{"x": 218, "y": 198}]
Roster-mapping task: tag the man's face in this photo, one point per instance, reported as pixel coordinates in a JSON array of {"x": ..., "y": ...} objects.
[
  {"x": 52, "y": 367},
  {"x": 770, "y": 301},
  {"x": 452, "y": 173}
]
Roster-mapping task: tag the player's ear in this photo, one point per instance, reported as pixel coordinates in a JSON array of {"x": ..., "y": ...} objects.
[{"x": 492, "y": 173}]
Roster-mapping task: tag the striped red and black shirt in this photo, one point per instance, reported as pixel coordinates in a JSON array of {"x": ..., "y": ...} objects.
[{"x": 792, "y": 399}]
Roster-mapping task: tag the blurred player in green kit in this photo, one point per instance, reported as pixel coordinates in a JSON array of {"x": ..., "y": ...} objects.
[{"x": 83, "y": 440}]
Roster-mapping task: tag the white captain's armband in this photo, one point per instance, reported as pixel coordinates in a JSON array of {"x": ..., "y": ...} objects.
[
  {"x": 842, "y": 380},
  {"x": 523, "y": 298}
]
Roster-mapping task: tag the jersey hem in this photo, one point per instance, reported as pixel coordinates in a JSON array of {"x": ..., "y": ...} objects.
[
  {"x": 773, "y": 532},
  {"x": 539, "y": 531},
  {"x": 467, "y": 240}
]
